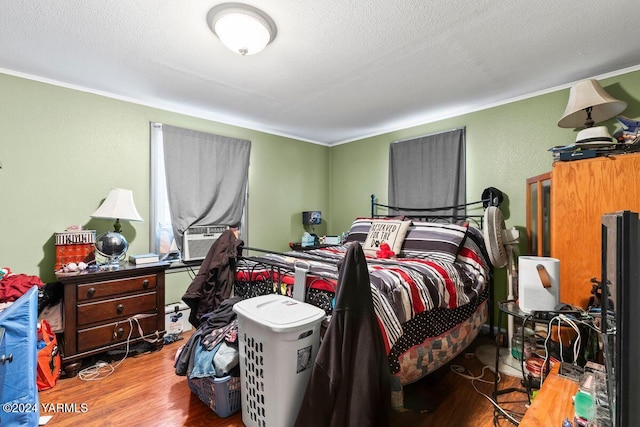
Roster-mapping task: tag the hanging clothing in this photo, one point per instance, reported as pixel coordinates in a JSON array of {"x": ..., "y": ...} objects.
[
  {"x": 350, "y": 383},
  {"x": 214, "y": 281}
]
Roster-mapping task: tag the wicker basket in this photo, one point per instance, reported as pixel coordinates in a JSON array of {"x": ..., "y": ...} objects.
[{"x": 222, "y": 395}]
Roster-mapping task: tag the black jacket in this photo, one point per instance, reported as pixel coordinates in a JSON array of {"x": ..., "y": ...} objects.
[
  {"x": 214, "y": 281},
  {"x": 350, "y": 383}
]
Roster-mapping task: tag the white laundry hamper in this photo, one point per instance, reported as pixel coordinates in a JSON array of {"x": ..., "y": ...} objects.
[{"x": 278, "y": 340}]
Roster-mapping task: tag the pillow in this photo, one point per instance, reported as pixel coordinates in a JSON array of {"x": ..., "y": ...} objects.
[
  {"x": 387, "y": 231},
  {"x": 434, "y": 240},
  {"x": 359, "y": 230}
]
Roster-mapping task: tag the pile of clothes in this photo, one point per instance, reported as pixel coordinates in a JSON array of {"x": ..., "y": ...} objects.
[
  {"x": 212, "y": 350},
  {"x": 13, "y": 286}
]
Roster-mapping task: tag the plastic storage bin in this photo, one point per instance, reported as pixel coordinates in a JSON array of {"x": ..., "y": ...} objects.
[
  {"x": 222, "y": 395},
  {"x": 278, "y": 341}
]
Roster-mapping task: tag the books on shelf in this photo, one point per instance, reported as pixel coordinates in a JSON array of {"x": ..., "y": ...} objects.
[{"x": 144, "y": 258}]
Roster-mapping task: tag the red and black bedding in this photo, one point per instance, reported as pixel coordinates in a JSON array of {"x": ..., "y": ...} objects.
[{"x": 430, "y": 296}]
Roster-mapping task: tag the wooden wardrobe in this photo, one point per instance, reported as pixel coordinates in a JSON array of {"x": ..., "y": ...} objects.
[{"x": 583, "y": 191}]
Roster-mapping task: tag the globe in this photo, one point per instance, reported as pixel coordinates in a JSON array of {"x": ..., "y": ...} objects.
[{"x": 112, "y": 246}]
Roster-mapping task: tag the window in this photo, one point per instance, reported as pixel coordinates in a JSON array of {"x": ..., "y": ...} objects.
[{"x": 197, "y": 179}]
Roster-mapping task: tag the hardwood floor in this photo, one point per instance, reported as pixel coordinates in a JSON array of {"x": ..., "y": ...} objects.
[{"x": 144, "y": 391}]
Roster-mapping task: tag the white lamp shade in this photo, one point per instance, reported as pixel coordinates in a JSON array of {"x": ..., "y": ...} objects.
[
  {"x": 118, "y": 205},
  {"x": 585, "y": 94},
  {"x": 242, "y": 28}
]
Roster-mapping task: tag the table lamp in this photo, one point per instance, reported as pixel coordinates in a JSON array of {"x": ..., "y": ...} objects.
[
  {"x": 312, "y": 218},
  {"x": 118, "y": 205},
  {"x": 589, "y": 104}
]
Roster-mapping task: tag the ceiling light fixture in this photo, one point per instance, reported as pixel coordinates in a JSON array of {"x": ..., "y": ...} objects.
[{"x": 242, "y": 28}]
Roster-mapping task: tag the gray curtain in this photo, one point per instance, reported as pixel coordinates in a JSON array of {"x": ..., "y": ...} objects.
[
  {"x": 207, "y": 178},
  {"x": 428, "y": 172}
]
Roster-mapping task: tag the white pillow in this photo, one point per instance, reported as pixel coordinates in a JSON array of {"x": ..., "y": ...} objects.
[{"x": 387, "y": 231}]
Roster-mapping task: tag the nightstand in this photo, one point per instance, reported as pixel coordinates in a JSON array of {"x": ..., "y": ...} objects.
[{"x": 99, "y": 304}]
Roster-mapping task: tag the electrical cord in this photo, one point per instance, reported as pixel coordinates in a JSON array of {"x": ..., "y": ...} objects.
[
  {"x": 576, "y": 344},
  {"x": 101, "y": 369},
  {"x": 192, "y": 273},
  {"x": 465, "y": 373},
  {"x": 462, "y": 371},
  {"x": 546, "y": 347},
  {"x": 97, "y": 371}
]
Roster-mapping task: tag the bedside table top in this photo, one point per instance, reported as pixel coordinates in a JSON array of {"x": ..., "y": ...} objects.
[
  {"x": 297, "y": 246},
  {"x": 512, "y": 308},
  {"x": 125, "y": 269}
]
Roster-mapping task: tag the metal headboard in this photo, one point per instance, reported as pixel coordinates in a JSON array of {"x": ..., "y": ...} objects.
[{"x": 490, "y": 197}]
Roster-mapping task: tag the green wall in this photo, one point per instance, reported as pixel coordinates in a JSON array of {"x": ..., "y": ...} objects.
[{"x": 61, "y": 151}]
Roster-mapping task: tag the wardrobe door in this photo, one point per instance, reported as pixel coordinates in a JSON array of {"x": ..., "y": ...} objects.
[
  {"x": 539, "y": 215},
  {"x": 583, "y": 191}
]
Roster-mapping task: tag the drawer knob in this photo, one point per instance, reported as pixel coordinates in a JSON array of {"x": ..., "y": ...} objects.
[
  {"x": 120, "y": 308},
  {"x": 118, "y": 333},
  {"x": 145, "y": 283},
  {"x": 91, "y": 292},
  {"x": 6, "y": 359}
]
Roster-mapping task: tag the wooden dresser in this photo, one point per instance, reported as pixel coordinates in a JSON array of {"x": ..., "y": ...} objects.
[
  {"x": 583, "y": 191},
  {"x": 99, "y": 304}
]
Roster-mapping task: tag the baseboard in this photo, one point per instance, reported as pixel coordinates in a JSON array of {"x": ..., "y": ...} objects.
[{"x": 486, "y": 329}]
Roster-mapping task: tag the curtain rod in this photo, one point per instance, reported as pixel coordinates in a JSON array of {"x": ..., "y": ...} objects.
[{"x": 429, "y": 134}]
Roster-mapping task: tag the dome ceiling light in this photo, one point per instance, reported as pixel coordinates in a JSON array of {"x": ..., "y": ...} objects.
[{"x": 242, "y": 28}]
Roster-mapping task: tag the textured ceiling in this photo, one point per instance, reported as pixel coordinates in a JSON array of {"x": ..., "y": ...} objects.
[{"x": 338, "y": 70}]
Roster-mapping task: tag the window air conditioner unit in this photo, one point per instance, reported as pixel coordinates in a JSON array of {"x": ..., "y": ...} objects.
[{"x": 198, "y": 240}]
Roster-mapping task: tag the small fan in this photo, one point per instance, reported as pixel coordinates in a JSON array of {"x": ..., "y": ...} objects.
[
  {"x": 498, "y": 240},
  {"x": 500, "y": 243}
]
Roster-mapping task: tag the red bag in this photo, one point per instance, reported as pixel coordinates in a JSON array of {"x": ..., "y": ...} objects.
[{"x": 48, "y": 357}]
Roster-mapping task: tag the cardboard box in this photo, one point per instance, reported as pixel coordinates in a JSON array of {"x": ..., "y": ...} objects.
[{"x": 176, "y": 318}]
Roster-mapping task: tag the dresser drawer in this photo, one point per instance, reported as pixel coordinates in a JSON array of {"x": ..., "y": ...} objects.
[
  {"x": 92, "y": 291},
  {"x": 116, "y": 332},
  {"x": 123, "y": 307}
]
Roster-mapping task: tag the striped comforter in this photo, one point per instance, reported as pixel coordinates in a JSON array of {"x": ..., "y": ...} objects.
[{"x": 401, "y": 288}]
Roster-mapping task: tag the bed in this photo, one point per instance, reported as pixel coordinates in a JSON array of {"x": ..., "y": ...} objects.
[{"x": 431, "y": 298}]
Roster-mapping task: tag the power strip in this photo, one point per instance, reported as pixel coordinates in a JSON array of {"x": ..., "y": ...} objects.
[{"x": 548, "y": 315}]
